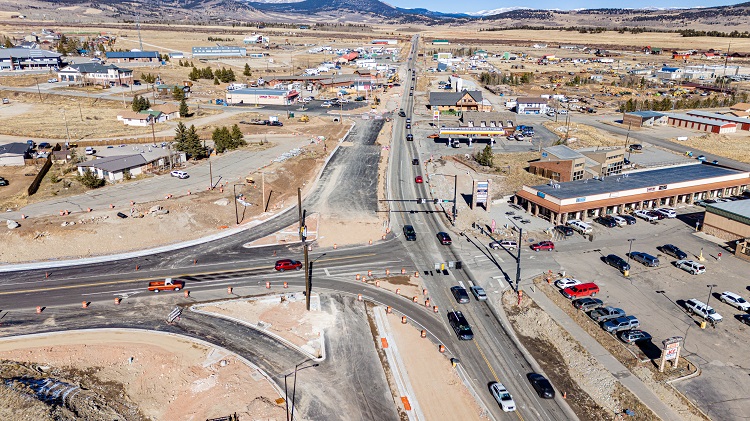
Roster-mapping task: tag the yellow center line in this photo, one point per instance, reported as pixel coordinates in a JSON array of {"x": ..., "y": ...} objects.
[{"x": 487, "y": 361}]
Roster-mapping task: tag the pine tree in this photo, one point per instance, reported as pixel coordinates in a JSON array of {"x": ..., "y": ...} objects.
[
  {"x": 219, "y": 141},
  {"x": 194, "y": 74},
  {"x": 136, "y": 104},
  {"x": 216, "y": 80},
  {"x": 247, "y": 71},
  {"x": 193, "y": 145},
  {"x": 180, "y": 137},
  {"x": 238, "y": 139},
  {"x": 184, "y": 110},
  {"x": 178, "y": 94}
]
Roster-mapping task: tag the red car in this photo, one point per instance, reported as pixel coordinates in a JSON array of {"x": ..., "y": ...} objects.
[
  {"x": 288, "y": 264},
  {"x": 543, "y": 245},
  {"x": 419, "y": 179}
]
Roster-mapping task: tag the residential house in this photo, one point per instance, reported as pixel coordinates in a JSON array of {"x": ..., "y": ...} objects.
[
  {"x": 457, "y": 101},
  {"x": 13, "y": 154},
  {"x": 681, "y": 56},
  {"x": 95, "y": 73},
  {"x": 651, "y": 50},
  {"x": 709, "y": 56},
  {"x": 132, "y": 118},
  {"x": 164, "y": 90},
  {"x": 133, "y": 56},
  {"x": 31, "y": 45},
  {"x": 740, "y": 106},
  {"x": 63, "y": 156},
  {"x": 531, "y": 105},
  {"x": 169, "y": 111},
  {"x": 114, "y": 168},
  {"x": 29, "y": 59}
]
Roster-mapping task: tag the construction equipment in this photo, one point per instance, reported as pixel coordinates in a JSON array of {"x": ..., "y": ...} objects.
[
  {"x": 249, "y": 180},
  {"x": 304, "y": 119}
]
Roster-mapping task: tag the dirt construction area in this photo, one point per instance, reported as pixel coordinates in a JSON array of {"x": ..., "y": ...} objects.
[{"x": 128, "y": 375}]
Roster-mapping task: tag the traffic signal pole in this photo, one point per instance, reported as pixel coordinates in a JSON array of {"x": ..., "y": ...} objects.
[{"x": 303, "y": 237}]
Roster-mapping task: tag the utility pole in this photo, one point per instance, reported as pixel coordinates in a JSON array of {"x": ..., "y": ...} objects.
[
  {"x": 37, "y": 89},
  {"x": 67, "y": 132},
  {"x": 210, "y": 173},
  {"x": 455, "y": 189},
  {"x": 303, "y": 237}
]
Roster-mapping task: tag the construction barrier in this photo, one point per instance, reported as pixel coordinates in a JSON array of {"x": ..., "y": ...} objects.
[
  {"x": 38, "y": 309},
  {"x": 383, "y": 237},
  {"x": 424, "y": 291},
  {"x": 85, "y": 304},
  {"x": 427, "y": 302},
  {"x": 111, "y": 206},
  {"x": 369, "y": 242},
  {"x": 387, "y": 272},
  {"x": 441, "y": 348},
  {"x": 335, "y": 246},
  {"x": 403, "y": 319},
  {"x": 117, "y": 300},
  {"x": 359, "y": 297},
  {"x": 435, "y": 309},
  {"x": 89, "y": 209},
  {"x": 565, "y": 395},
  {"x": 405, "y": 401},
  {"x": 268, "y": 285},
  {"x": 46, "y": 274},
  {"x": 229, "y": 290},
  {"x": 403, "y": 271},
  {"x": 423, "y": 334},
  {"x": 416, "y": 274},
  {"x": 414, "y": 299},
  {"x": 398, "y": 290},
  {"x": 358, "y": 277},
  {"x": 132, "y": 203},
  {"x": 23, "y": 216},
  {"x": 189, "y": 193},
  {"x": 195, "y": 261},
  {"x": 187, "y": 293},
  {"x": 286, "y": 285},
  {"x": 369, "y": 273},
  {"x": 377, "y": 283},
  {"x": 137, "y": 267},
  {"x": 389, "y": 310}
]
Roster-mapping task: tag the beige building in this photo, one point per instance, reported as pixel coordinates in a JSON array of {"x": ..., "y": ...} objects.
[{"x": 561, "y": 163}]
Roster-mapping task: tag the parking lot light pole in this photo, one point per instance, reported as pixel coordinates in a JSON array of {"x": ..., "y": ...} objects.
[
  {"x": 294, "y": 388},
  {"x": 710, "y": 290},
  {"x": 630, "y": 249},
  {"x": 518, "y": 253}
]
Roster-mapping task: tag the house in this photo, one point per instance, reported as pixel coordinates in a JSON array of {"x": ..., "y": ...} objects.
[
  {"x": 539, "y": 46},
  {"x": 169, "y": 111},
  {"x": 63, "y": 156},
  {"x": 440, "y": 42},
  {"x": 350, "y": 56},
  {"x": 457, "y": 101},
  {"x": 165, "y": 90},
  {"x": 29, "y": 59},
  {"x": 132, "y": 118},
  {"x": 133, "y": 56},
  {"x": 113, "y": 168},
  {"x": 681, "y": 56},
  {"x": 531, "y": 105},
  {"x": 13, "y": 154},
  {"x": 156, "y": 116},
  {"x": 651, "y": 50},
  {"x": 740, "y": 106},
  {"x": 95, "y": 73},
  {"x": 709, "y": 56}
]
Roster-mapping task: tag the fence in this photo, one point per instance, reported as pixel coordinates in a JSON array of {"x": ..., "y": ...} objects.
[{"x": 34, "y": 186}]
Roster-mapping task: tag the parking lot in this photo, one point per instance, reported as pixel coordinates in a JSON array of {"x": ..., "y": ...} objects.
[{"x": 656, "y": 295}]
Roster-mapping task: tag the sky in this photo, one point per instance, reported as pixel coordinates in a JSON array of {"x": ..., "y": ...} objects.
[{"x": 477, "y": 5}]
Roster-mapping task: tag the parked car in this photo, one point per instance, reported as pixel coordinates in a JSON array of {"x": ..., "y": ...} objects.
[
  {"x": 667, "y": 212},
  {"x": 460, "y": 294},
  {"x": 632, "y": 336},
  {"x": 52, "y": 80},
  {"x": 629, "y": 219},
  {"x": 564, "y": 230},
  {"x": 506, "y": 244},
  {"x": 543, "y": 245},
  {"x": 89, "y": 150},
  {"x": 503, "y": 397},
  {"x": 619, "y": 220},
  {"x": 542, "y": 386},
  {"x": 744, "y": 318},
  {"x": 179, "y": 174},
  {"x": 287, "y": 264},
  {"x": 409, "y": 233},
  {"x": 567, "y": 282},
  {"x": 607, "y": 221},
  {"x": 645, "y": 215},
  {"x": 479, "y": 293},
  {"x": 636, "y": 147},
  {"x": 3, "y": 182},
  {"x": 606, "y": 313},
  {"x": 44, "y": 145},
  {"x": 581, "y": 290},
  {"x": 695, "y": 306},
  {"x": 444, "y": 238},
  {"x": 644, "y": 258},
  {"x": 460, "y": 325},
  {"x": 691, "y": 266},
  {"x": 587, "y": 303},
  {"x": 734, "y": 300},
  {"x": 621, "y": 323},
  {"x": 418, "y": 179},
  {"x": 656, "y": 214},
  {"x": 617, "y": 262},
  {"x": 673, "y": 251},
  {"x": 401, "y": 113}
]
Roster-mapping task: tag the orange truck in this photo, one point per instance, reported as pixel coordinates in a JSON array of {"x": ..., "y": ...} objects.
[{"x": 166, "y": 285}]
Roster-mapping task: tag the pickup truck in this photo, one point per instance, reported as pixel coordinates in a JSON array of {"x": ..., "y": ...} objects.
[
  {"x": 166, "y": 285},
  {"x": 621, "y": 323},
  {"x": 606, "y": 313}
]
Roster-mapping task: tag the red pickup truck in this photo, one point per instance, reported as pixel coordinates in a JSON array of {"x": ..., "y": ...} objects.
[{"x": 166, "y": 285}]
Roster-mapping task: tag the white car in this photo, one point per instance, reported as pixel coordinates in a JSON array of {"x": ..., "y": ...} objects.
[
  {"x": 343, "y": 100},
  {"x": 620, "y": 220},
  {"x": 562, "y": 111},
  {"x": 507, "y": 244},
  {"x": 89, "y": 150},
  {"x": 326, "y": 105},
  {"x": 691, "y": 266},
  {"x": 669, "y": 213},
  {"x": 567, "y": 282},
  {"x": 179, "y": 174},
  {"x": 734, "y": 300},
  {"x": 645, "y": 215},
  {"x": 503, "y": 397}
]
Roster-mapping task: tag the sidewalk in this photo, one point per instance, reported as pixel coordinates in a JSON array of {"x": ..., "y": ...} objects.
[{"x": 633, "y": 383}]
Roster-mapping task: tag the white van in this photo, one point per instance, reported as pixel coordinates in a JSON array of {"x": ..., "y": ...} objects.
[{"x": 580, "y": 226}]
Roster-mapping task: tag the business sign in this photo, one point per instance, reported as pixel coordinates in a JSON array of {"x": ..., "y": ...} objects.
[
  {"x": 541, "y": 194},
  {"x": 580, "y": 199},
  {"x": 481, "y": 194},
  {"x": 663, "y": 187},
  {"x": 650, "y": 189},
  {"x": 670, "y": 351},
  {"x": 436, "y": 115}
]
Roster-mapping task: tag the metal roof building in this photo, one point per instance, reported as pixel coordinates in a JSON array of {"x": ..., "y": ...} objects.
[
  {"x": 219, "y": 52},
  {"x": 701, "y": 124},
  {"x": 742, "y": 123},
  {"x": 630, "y": 191},
  {"x": 28, "y": 58},
  {"x": 125, "y": 56},
  {"x": 260, "y": 96}
]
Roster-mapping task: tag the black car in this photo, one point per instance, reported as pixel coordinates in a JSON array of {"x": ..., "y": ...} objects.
[
  {"x": 460, "y": 325},
  {"x": 565, "y": 230},
  {"x": 607, "y": 221},
  {"x": 3, "y": 182},
  {"x": 542, "y": 386},
  {"x": 744, "y": 318},
  {"x": 460, "y": 294},
  {"x": 444, "y": 238},
  {"x": 630, "y": 219},
  {"x": 673, "y": 251},
  {"x": 644, "y": 258},
  {"x": 636, "y": 147},
  {"x": 617, "y": 262},
  {"x": 401, "y": 113},
  {"x": 587, "y": 303},
  {"x": 415, "y": 161},
  {"x": 408, "y": 126},
  {"x": 409, "y": 137},
  {"x": 275, "y": 123},
  {"x": 409, "y": 233}
]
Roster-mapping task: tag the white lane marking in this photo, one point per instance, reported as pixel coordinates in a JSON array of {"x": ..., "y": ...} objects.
[
  {"x": 326, "y": 271},
  {"x": 461, "y": 284}
]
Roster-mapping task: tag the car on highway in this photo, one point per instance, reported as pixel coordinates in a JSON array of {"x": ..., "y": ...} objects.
[
  {"x": 621, "y": 323},
  {"x": 645, "y": 259},
  {"x": 287, "y": 264},
  {"x": 734, "y": 300},
  {"x": 636, "y": 147},
  {"x": 444, "y": 238},
  {"x": 629, "y": 219},
  {"x": 543, "y": 245},
  {"x": 607, "y": 221},
  {"x": 460, "y": 325},
  {"x": 418, "y": 179},
  {"x": 567, "y": 282},
  {"x": 326, "y": 105},
  {"x": 401, "y": 113},
  {"x": 667, "y": 212},
  {"x": 89, "y": 150},
  {"x": 179, "y": 174},
  {"x": 634, "y": 335},
  {"x": 409, "y": 137},
  {"x": 411, "y": 93},
  {"x": 581, "y": 290},
  {"x": 506, "y": 244},
  {"x": 408, "y": 126},
  {"x": 587, "y": 303},
  {"x": 565, "y": 230},
  {"x": 542, "y": 386},
  {"x": 617, "y": 262},
  {"x": 701, "y": 158},
  {"x": 503, "y": 397},
  {"x": 645, "y": 215},
  {"x": 460, "y": 294},
  {"x": 409, "y": 233},
  {"x": 690, "y": 266},
  {"x": 673, "y": 251},
  {"x": 415, "y": 161},
  {"x": 478, "y": 293}
]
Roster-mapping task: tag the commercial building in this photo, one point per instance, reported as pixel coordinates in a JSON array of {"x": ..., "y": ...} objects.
[
  {"x": 251, "y": 96},
  {"x": 133, "y": 56},
  {"x": 742, "y": 123},
  {"x": 701, "y": 124},
  {"x": 217, "y": 51},
  {"x": 729, "y": 220},
  {"x": 488, "y": 119},
  {"x": 644, "y": 119},
  {"x": 531, "y": 105},
  {"x": 458, "y": 101},
  {"x": 646, "y": 189},
  {"x": 29, "y": 59},
  {"x": 561, "y": 163},
  {"x": 95, "y": 73}
]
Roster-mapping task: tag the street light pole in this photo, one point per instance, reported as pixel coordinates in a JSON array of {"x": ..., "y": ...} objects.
[
  {"x": 630, "y": 249},
  {"x": 294, "y": 388},
  {"x": 710, "y": 290},
  {"x": 518, "y": 252},
  {"x": 236, "y": 212}
]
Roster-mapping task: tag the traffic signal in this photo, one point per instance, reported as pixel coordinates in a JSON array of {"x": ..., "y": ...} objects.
[
  {"x": 435, "y": 201},
  {"x": 420, "y": 201}
]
